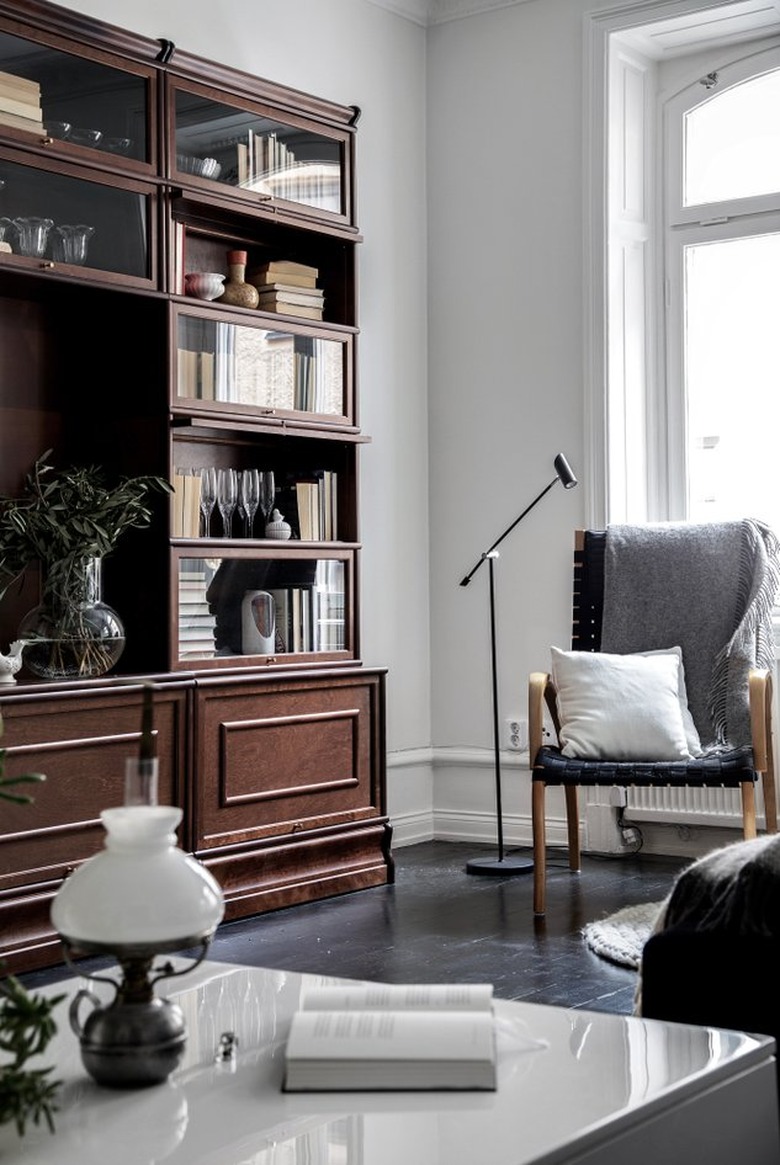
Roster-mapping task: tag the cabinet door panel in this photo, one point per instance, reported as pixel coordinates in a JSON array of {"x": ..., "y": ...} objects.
[
  {"x": 116, "y": 222},
  {"x": 80, "y": 743},
  {"x": 78, "y": 105},
  {"x": 283, "y": 758},
  {"x": 249, "y": 150}
]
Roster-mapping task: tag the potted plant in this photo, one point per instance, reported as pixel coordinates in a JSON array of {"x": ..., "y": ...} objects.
[{"x": 68, "y": 520}]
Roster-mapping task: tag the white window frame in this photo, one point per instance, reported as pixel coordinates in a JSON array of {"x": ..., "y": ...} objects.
[
  {"x": 686, "y": 225},
  {"x": 604, "y": 488}
]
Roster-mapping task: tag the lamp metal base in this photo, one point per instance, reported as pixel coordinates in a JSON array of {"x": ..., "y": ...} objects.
[{"x": 509, "y": 864}]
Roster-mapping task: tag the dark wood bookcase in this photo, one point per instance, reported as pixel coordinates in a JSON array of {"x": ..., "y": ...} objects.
[{"x": 278, "y": 759}]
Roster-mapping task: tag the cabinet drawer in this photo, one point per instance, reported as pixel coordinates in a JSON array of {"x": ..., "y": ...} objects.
[
  {"x": 288, "y": 756},
  {"x": 80, "y": 743}
]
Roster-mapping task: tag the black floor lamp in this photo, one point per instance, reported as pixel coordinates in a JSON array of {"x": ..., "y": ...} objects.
[{"x": 503, "y": 863}]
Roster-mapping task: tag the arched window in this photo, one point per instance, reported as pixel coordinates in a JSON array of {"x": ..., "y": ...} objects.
[
  {"x": 721, "y": 143},
  {"x": 692, "y": 299}
]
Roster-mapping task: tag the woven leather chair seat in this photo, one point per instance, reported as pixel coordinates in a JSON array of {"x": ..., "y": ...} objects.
[{"x": 727, "y": 768}]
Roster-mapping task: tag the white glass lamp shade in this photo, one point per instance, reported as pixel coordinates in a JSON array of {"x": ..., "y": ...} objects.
[{"x": 140, "y": 890}]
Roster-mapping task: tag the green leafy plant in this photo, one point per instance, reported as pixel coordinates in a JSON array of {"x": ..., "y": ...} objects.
[
  {"x": 26, "y": 1029},
  {"x": 65, "y": 519}
]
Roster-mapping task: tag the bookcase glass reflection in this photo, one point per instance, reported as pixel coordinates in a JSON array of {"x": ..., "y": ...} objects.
[
  {"x": 265, "y": 368},
  {"x": 236, "y": 606},
  {"x": 72, "y": 99},
  {"x": 74, "y": 221},
  {"x": 242, "y": 149}
]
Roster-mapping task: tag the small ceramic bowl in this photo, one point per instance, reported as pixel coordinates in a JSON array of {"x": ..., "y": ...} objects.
[
  {"x": 82, "y": 136},
  {"x": 208, "y": 168},
  {"x": 204, "y": 284},
  {"x": 58, "y": 129},
  {"x": 202, "y": 167},
  {"x": 118, "y": 145}
]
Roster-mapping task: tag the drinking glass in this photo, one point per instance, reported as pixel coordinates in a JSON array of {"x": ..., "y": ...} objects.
[
  {"x": 227, "y": 498},
  {"x": 208, "y": 497},
  {"x": 250, "y": 498},
  {"x": 267, "y": 493}
]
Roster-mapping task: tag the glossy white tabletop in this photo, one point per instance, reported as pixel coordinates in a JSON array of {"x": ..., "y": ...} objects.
[{"x": 563, "y": 1075}]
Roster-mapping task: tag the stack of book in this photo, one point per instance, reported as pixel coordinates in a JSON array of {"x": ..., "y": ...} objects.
[
  {"x": 196, "y": 621},
  {"x": 20, "y": 103},
  {"x": 316, "y": 504},
  {"x": 289, "y": 288},
  {"x": 185, "y": 505}
]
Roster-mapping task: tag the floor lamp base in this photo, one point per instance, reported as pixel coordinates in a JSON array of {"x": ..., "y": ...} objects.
[{"x": 509, "y": 864}]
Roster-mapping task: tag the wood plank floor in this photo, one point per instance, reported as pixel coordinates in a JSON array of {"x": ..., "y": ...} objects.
[{"x": 437, "y": 923}]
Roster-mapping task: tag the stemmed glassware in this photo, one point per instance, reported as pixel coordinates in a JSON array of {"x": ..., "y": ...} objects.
[
  {"x": 250, "y": 498},
  {"x": 267, "y": 494},
  {"x": 208, "y": 497},
  {"x": 227, "y": 498}
]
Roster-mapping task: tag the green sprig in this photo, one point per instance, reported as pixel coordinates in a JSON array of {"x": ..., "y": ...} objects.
[
  {"x": 26, "y": 1029},
  {"x": 66, "y": 516}
]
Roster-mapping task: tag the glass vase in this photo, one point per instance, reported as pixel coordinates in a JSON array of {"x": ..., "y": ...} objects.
[{"x": 72, "y": 634}]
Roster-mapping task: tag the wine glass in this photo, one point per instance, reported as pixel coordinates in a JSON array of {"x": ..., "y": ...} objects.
[
  {"x": 250, "y": 498},
  {"x": 227, "y": 498},
  {"x": 208, "y": 497},
  {"x": 267, "y": 493}
]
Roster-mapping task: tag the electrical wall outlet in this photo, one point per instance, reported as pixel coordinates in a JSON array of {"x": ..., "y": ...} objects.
[{"x": 515, "y": 733}]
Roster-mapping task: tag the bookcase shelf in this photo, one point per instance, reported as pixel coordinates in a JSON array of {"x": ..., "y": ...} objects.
[{"x": 170, "y": 164}]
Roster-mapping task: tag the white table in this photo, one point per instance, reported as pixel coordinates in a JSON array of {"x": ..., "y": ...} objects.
[{"x": 601, "y": 1090}]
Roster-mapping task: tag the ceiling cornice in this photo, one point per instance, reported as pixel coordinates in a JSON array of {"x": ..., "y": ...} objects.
[{"x": 428, "y": 12}]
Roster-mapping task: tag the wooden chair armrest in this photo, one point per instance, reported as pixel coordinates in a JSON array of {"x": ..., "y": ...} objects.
[
  {"x": 760, "y": 692},
  {"x": 541, "y": 692}
]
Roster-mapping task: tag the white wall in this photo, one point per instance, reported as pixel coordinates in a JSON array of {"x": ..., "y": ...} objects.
[{"x": 505, "y": 370}]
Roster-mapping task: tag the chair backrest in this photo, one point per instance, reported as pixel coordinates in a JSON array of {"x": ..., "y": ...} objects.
[
  {"x": 588, "y": 595},
  {"x": 707, "y": 588}
]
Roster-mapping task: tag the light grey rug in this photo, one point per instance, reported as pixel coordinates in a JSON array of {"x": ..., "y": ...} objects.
[{"x": 621, "y": 936}]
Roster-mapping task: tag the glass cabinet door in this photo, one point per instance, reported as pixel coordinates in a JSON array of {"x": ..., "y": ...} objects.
[
  {"x": 233, "y": 606},
  {"x": 73, "y": 103},
  {"x": 275, "y": 370},
  {"x": 254, "y": 152},
  {"x": 64, "y": 220}
]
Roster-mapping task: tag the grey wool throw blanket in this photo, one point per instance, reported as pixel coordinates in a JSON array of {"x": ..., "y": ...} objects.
[
  {"x": 708, "y": 588},
  {"x": 734, "y": 890}
]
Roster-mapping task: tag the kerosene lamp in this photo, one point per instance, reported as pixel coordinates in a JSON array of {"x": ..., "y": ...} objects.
[{"x": 139, "y": 898}]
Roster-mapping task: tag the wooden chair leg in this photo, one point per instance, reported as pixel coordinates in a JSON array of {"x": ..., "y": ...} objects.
[
  {"x": 748, "y": 810},
  {"x": 540, "y": 846},
  {"x": 573, "y": 828},
  {"x": 770, "y": 800}
]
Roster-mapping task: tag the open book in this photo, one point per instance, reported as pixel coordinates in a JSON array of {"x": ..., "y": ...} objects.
[{"x": 385, "y": 1036}]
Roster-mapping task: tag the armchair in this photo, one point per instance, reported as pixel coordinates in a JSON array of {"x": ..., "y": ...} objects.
[{"x": 669, "y": 610}]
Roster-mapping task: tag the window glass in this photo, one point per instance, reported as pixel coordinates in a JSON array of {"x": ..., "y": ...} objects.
[
  {"x": 732, "y": 143},
  {"x": 732, "y": 363}
]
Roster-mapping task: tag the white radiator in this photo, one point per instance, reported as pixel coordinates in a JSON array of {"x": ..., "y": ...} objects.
[{"x": 688, "y": 806}]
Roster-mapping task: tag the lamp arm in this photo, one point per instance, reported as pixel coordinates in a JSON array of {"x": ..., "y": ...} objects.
[{"x": 464, "y": 582}]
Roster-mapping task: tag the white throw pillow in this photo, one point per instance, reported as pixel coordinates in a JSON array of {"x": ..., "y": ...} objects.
[
  {"x": 691, "y": 731},
  {"x": 622, "y": 707}
]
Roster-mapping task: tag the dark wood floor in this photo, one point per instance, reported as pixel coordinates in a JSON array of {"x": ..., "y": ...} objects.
[{"x": 438, "y": 923}]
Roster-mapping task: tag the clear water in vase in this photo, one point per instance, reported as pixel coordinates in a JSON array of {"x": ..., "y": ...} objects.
[{"x": 77, "y": 636}]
